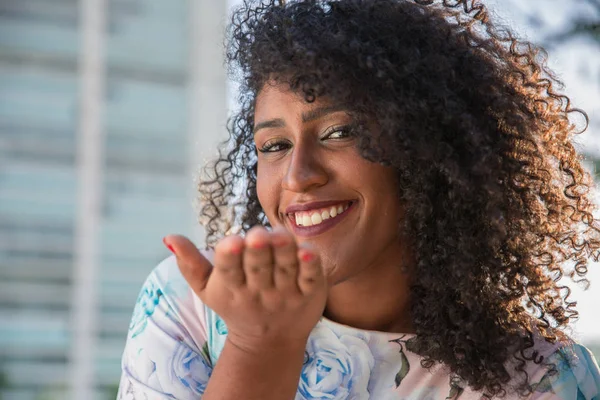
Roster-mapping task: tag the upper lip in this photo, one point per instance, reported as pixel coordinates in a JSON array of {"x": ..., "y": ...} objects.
[{"x": 313, "y": 205}]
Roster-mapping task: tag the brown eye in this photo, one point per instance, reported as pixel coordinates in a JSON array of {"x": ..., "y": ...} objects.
[
  {"x": 337, "y": 132},
  {"x": 274, "y": 146}
]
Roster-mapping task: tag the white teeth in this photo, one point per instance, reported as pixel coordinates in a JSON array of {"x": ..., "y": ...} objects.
[
  {"x": 306, "y": 221},
  {"x": 316, "y": 218}
]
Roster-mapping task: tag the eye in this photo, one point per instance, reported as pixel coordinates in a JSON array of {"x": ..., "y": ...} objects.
[
  {"x": 337, "y": 132},
  {"x": 273, "y": 146}
]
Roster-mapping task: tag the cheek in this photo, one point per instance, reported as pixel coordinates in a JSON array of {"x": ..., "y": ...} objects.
[
  {"x": 267, "y": 191},
  {"x": 373, "y": 177},
  {"x": 385, "y": 180},
  {"x": 383, "y": 197}
]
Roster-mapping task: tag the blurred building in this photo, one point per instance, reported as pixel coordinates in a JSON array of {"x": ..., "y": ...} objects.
[{"x": 106, "y": 109}]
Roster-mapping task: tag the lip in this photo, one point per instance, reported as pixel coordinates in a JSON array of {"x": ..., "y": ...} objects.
[
  {"x": 314, "y": 205},
  {"x": 314, "y": 230}
]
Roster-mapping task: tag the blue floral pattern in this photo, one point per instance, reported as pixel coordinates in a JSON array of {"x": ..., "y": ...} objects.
[
  {"x": 146, "y": 303},
  {"x": 174, "y": 341},
  {"x": 337, "y": 366},
  {"x": 190, "y": 368},
  {"x": 575, "y": 375},
  {"x": 220, "y": 325}
]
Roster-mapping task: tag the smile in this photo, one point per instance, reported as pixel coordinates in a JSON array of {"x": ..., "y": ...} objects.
[
  {"x": 316, "y": 217},
  {"x": 317, "y": 221}
]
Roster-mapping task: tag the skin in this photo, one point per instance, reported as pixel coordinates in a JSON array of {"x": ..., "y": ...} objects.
[
  {"x": 272, "y": 287},
  {"x": 316, "y": 161}
]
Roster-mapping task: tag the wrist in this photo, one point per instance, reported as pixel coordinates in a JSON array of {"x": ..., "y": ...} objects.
[
  {"x": 287, "y": 346},
  {"x": 261, "y": 369}
]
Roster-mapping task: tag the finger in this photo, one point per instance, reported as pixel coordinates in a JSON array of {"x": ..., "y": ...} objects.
[
  {"x": 285, "y": 272},
  {"x": 228, "y": 260},
  {"x": 258, "y": 260},
  {"x": 310, "y": 272},
  {"x": 194, "y": 267}
]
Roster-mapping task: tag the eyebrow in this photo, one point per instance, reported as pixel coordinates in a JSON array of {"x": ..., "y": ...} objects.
[
  {"x": 308, "y": 116},
  {"x": 320, "y": 112}
]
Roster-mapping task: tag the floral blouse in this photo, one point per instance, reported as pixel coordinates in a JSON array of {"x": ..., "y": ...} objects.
[{"x": 174, "y": 341}]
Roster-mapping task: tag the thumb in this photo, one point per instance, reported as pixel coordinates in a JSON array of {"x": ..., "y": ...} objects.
[{"x": 194, "y": 267}]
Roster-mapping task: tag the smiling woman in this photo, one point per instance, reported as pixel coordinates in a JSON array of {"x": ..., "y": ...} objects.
[
  {"x": 312, "y": 180},
  {"x": 413, "y": 199}
]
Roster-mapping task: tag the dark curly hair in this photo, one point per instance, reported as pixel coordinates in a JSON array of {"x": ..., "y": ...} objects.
[{"x": 497, "y": 202}]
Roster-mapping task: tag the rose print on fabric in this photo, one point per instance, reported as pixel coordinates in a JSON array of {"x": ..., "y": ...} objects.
[
  {"x": 558, "y": 370},
  {"x": 146, "y": 303},
  {"x": 190, "y": 369},
  {"x": 128, "y": 392},
  {"x": 405, "y": 367},
  {"x": 336, "y": 367},
  {"x": 182, "y": 373},
  {"x": 221, "y": 327}
]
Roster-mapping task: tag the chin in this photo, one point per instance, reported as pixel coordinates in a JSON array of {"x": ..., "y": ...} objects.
[{"x": 332, "y": 271}]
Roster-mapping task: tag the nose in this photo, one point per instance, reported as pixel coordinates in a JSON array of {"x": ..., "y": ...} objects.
[{"x": 305, "y": 170}]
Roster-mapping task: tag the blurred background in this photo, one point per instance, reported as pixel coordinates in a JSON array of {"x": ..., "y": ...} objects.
[{"x": 107, "y": 110}]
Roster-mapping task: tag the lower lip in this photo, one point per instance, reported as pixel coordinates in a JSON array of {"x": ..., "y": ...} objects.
[{"x": 308, "y": 231}]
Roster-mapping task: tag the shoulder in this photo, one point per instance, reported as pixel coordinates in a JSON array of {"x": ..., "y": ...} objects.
[
  {"x": 166, "y": 296},
  {"x": 570, "y": 371},
  {"x": 166, "y": 349},
  {"x": 203, "y": 327}
]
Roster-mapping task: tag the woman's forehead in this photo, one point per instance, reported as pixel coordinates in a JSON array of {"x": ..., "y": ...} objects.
[{"x": 276, "y": 98}]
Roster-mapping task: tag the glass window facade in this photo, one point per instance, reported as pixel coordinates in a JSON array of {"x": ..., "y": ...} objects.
[
  {"x": 38, "y": 118},
  {"x": 146, "y": 179}
]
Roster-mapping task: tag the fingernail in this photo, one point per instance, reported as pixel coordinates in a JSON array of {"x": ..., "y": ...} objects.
[
  {"x": 307, "y": 257},
  {"x": 236, "y": 250},
  {"x": 259, "y": 245},
  {"x": 168, "y": 246}
]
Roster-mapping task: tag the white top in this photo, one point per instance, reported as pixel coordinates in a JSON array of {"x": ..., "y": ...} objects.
[{"x": 174, "y": 341}]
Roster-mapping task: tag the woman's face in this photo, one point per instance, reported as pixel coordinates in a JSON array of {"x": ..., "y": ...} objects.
[{"x": 312, "y": 180}]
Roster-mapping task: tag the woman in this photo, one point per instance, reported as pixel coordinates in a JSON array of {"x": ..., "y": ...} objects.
[{"x": 411, "y": 199}]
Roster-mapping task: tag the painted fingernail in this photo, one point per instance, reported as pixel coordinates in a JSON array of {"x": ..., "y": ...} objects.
[
  {"x": 168, "y": 246},
  {"x": 236, "y": 250},
  {"x": 259, "y": 245},
  {"x": 307, "y": 257}
]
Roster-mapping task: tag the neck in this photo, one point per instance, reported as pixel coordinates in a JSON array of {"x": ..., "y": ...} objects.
[{"x": 375, "y": 299}]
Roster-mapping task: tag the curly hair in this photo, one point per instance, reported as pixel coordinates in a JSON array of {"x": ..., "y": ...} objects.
[{"x": 496, "y": 199}]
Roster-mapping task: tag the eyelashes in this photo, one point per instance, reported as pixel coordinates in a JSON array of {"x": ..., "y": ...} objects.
[
  {"x": 273, "y": 146},
  {"x": 334, "y": 133}
]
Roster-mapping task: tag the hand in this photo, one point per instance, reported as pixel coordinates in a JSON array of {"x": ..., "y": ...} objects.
[{"x": 266, "y": 289}]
